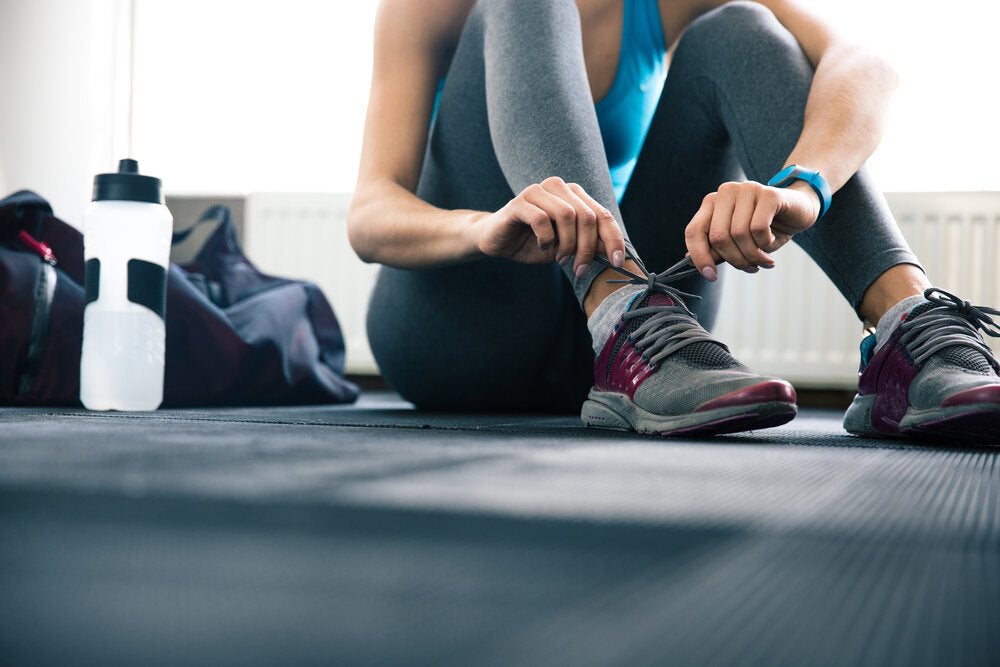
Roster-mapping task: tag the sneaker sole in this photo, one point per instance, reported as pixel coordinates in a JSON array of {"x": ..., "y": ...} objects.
[
  {"x": 611, "y": 410},
  {"x": 965, "y": 423},
  {"x": 973, "y": 423}
]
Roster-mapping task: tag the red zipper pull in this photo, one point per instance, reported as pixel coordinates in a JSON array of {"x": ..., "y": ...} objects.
[{"x": 37, "y": 247}]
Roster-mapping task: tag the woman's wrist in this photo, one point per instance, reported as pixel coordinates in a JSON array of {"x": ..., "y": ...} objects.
[
  {"x": 813, "y": 198},
  {"x": 470, "y": 232}
]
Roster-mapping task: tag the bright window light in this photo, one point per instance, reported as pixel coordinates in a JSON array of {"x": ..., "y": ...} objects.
[{"x": 234, "y": 97}]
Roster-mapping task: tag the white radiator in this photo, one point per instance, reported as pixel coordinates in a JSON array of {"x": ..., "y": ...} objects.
[{"x": 790, "y": 321}]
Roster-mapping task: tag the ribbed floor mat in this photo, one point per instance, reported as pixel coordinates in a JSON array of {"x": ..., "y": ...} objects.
[{"x": 303, "y": 536}]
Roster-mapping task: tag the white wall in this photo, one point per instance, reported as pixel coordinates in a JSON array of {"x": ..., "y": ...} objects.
[
  {"x": 232, "y": 96},
  {"x": 236, "y": 96},
  {"x": 944, "y": 132},
  {"x": 58, "y": 98}
]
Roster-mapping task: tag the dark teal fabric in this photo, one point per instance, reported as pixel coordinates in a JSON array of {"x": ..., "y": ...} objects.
[{"x": 625, "y": 113}]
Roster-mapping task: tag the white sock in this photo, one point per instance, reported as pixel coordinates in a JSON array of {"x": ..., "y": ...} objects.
[
  {"x": 893, "y": 316},
  {"x": 604, "y": 318}
]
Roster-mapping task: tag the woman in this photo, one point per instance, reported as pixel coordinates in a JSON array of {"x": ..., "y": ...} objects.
[{"x": 519, "y": 154}]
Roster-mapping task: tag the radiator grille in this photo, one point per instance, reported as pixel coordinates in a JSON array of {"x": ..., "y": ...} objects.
[{"x": 790, "y": 322}]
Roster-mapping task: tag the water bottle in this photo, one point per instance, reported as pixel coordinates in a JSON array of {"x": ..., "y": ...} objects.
[{"x": 126, "y": 241}]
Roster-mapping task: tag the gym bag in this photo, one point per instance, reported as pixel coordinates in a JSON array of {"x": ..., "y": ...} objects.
[{"x": 235, "y": 336}]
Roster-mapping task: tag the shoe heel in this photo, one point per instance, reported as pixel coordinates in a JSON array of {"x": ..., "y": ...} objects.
[
  {"x": 599, "y": 415},
  {"x": 858, "y": 418}
]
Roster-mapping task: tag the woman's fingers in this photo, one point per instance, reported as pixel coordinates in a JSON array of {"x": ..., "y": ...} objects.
[
  {"x": 519, "y": 231},
  {"x": 610, "y": 239},
  {"x": 586, "y": 223},
  {"x": 568, "y": 222},
  {"x": 720, "y": 230},
  {"x": 730, "y": 232},
  {"x": 540, "y": 223},
  {"x": 766, "y": 208},
  {"x": 743, "y": 211},
  {"x": 734, "y": 225},
  {"x": 696, "y": 238},
  {"x": 562, "y": 217}
]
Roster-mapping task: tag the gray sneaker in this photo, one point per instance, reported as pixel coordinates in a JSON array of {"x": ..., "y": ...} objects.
[
  {"x": 935, "y": 377},
  {"x": 661, "y": 373}
]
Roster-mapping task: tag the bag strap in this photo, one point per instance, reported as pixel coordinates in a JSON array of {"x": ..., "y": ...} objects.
[{"x": 217, "y": 214}]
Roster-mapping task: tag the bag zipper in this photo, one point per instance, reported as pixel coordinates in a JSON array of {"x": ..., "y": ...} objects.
[{"x": 39, "y": 248}]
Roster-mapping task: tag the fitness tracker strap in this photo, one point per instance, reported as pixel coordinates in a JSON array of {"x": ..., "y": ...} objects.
[{"x": 794, "y": 172}]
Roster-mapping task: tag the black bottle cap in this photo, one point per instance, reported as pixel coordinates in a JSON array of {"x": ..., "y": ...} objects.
[{"x": 128, "y": 185}]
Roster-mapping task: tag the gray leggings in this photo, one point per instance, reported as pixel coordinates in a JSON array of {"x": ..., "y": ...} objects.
[{"x": 516, "y": 108}]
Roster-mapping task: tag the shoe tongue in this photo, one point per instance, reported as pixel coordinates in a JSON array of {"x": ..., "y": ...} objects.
[
  {"x": 920, "y": 309},
  {"x": 657, "y": 299},
  {"x": 654, "y": 299},
  {"x": 646, "y": 300}
]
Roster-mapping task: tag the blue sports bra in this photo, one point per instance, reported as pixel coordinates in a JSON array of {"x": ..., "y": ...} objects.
[{"x": 626, "y": 112}]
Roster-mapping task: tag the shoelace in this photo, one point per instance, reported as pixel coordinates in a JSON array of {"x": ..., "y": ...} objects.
[
  {"x": 669, "y": 328},
  {"x": 951, "y": 321}
]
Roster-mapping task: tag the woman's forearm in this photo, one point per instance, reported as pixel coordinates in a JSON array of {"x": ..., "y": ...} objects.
[
  {"x": 846, "y": 113},
  {"x": 389, "y": 225}
]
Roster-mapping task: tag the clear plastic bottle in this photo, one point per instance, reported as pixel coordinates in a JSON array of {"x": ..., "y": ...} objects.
[{"x": 126, "y": 244}]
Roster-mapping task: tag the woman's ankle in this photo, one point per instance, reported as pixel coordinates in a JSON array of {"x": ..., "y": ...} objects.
[
  {"x": 894, "y": 285},
  {"x": 601, "y": 289}
]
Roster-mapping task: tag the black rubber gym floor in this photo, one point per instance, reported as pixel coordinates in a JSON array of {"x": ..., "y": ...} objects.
[{"x": 374, "y": 534}]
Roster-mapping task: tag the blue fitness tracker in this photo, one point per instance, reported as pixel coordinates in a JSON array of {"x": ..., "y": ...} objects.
[{"x": 793, "y": 173}]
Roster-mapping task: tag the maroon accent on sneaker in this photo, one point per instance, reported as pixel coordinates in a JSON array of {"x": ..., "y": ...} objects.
[
  {"x": 988, "y": 394},
  {"x": 627, "y": 372},
  {"x": 888, "y": 375},
  {"x": 772, "y": 391}
]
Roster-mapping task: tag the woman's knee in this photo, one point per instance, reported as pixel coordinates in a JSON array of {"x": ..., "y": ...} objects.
[
  {"x": 525, "y": 7},
  {"x": 736, "y": 19},
  {"x": 738, "y": 32},
  {"x": 524, "y": 14}
]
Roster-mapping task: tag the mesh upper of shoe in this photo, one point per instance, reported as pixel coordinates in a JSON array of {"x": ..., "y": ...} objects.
[
  {"x": 677, "y": 388},
  {"x": 939, "y": 379},
  {"x": 961, "y": 364}
]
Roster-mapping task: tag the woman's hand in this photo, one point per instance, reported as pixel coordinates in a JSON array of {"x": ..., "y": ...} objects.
[
  {"x": 551, "y": 221},
  {"x": 742, "y": 222}
]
